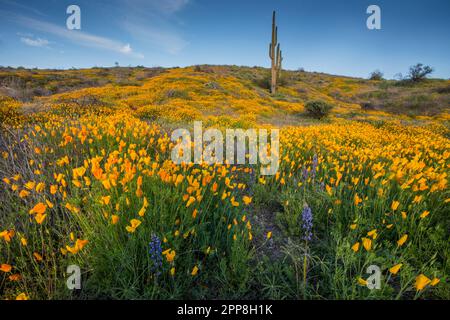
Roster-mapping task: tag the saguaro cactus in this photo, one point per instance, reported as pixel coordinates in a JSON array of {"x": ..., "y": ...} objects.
[{"x": 275, "y": 55}]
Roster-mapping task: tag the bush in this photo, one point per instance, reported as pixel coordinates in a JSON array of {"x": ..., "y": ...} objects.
[
  {"x": 177, "y": 94},
  {"x": 263, "y": 82},
  {"x": 367, "y": 106},
  {"x": 318, "y": 109},
  {"x": 419, "y": 72},
  {"x": 376, "y": 75}
]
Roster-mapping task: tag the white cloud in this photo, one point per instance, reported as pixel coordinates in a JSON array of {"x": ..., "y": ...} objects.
[
  {"x": 154, "y": 22},
  {"x": 126, "y": 48},
  {"x": 79, "y": 37},
  {"x": 157, "y": 37},
  {"x": 38, "y": 42}
]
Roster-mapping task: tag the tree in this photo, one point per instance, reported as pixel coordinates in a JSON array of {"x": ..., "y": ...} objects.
[
  {"x": 419, "y": 72},
  {"x": 376, "y": 75}
]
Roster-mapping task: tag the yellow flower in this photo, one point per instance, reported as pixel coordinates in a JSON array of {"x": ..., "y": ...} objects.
[
  {"x": 23, "y": 193},
  {"x": 372, "y": 233},
  {"x": 114, "y": 219},
  {"x": 362, "y": 282},
  {"x": 106, "y": 200},
  {"x": 30, "y": 185},
  {"x": 395, "y": 268},
  {"x": 353, "y": 226},
  {"x": 247, "y": 200},
  {"x": 367, "y": 243},
  {"x": 145, "y": 205},
  {"x": 141, "y": 212},
  {"x": 22, "y": 296},
  {"x": 40, "y": 186},
  {"x": 49, "y": 204},
  {"x": 190, "y": 201},
  {"x": 5, "y": 267},
  {"x": 402, "y": 240},
  {"x": 395, "y": 205},
  {"x": 169, "y": 254},
  {"x": 40, "y": 218},
  {"x": 424, "y": 214},
  {"x": 435, "y": 281},
  {"x": 194, "y": 271},
  {"x": 7, "y": 235},
  {"x": 37, "y": 256},
  {"x": 39, "y": 208},
  {"x": 172, "y": 271},
  {"x": 79, "y": 244},
  {"x": 355, "y": 247},
  {"x": 329, "y": 190},
  {"x": 357, "y": 200},
  {"x": 53, "y": 189},
  {"x": 24, "y": 242},
  {"x": 134, "y": 224},
  {"x": 421, "y": 282},
  {"x": 269, "y": 234}
]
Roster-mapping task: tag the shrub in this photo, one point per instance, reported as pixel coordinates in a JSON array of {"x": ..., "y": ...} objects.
[
  {"x": 318, "y": 109},
  {"x": 376, "y": 75},
  {"x": 367, "y": 106},
  {"x": 419, "y": 72},
  {"x": 263, "y": 82},
  {"x": 177, "y": 94}
]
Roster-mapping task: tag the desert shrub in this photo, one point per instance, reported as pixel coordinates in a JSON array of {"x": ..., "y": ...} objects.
[
  {"x": 419, "y": 72},
  {"x": 443, "y": 90},
  {"x": 177, "y": 94},
  {"x": 318, "y": 109},
  {"x": 203, "y": 68},
  {"x": 376, "y": 75},
  {"x": 213, "y": 85},
  {"x": 367, "y": 106},
  {"x": 263, "y": 82}
]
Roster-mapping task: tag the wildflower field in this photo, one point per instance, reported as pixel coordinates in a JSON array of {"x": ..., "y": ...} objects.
[{"x": 87, "y": 179}]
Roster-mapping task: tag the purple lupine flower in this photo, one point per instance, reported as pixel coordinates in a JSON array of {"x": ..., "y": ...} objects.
[
  {"x": 315, "y": 163},
  {"x": 156, "y": 254},
  {"x": 304, "y": 174},
  {"x": 307, "y": 220}
]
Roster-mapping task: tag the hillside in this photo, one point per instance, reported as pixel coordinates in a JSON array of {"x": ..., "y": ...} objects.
[
  {"x": 226, "y": 94},
  {"x": 89, "y": 178}
]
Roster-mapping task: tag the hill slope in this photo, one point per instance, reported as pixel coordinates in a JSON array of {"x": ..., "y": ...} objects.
[{"x": 223, "y": 94}]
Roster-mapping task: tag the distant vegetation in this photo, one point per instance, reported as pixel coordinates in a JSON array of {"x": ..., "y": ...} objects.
[
  {"x": 376, "y": 75},
  {"x": 351, "y": 96},
  {"x": 318, "y": 109},
  {"x": 419, "y": 72}
]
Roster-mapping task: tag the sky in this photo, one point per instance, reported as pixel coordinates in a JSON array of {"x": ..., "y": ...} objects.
[{"x": 317, "y": 35}]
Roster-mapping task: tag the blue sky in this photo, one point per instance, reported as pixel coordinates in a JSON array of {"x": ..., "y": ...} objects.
[{"x": 319, "y": 35}]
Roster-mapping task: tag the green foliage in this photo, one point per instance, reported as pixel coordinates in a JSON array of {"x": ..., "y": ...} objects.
[
  {"x": 318, "y": 109},
  {"x": 419, "y": 72},
  {"x": 376, "y": 75}
]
